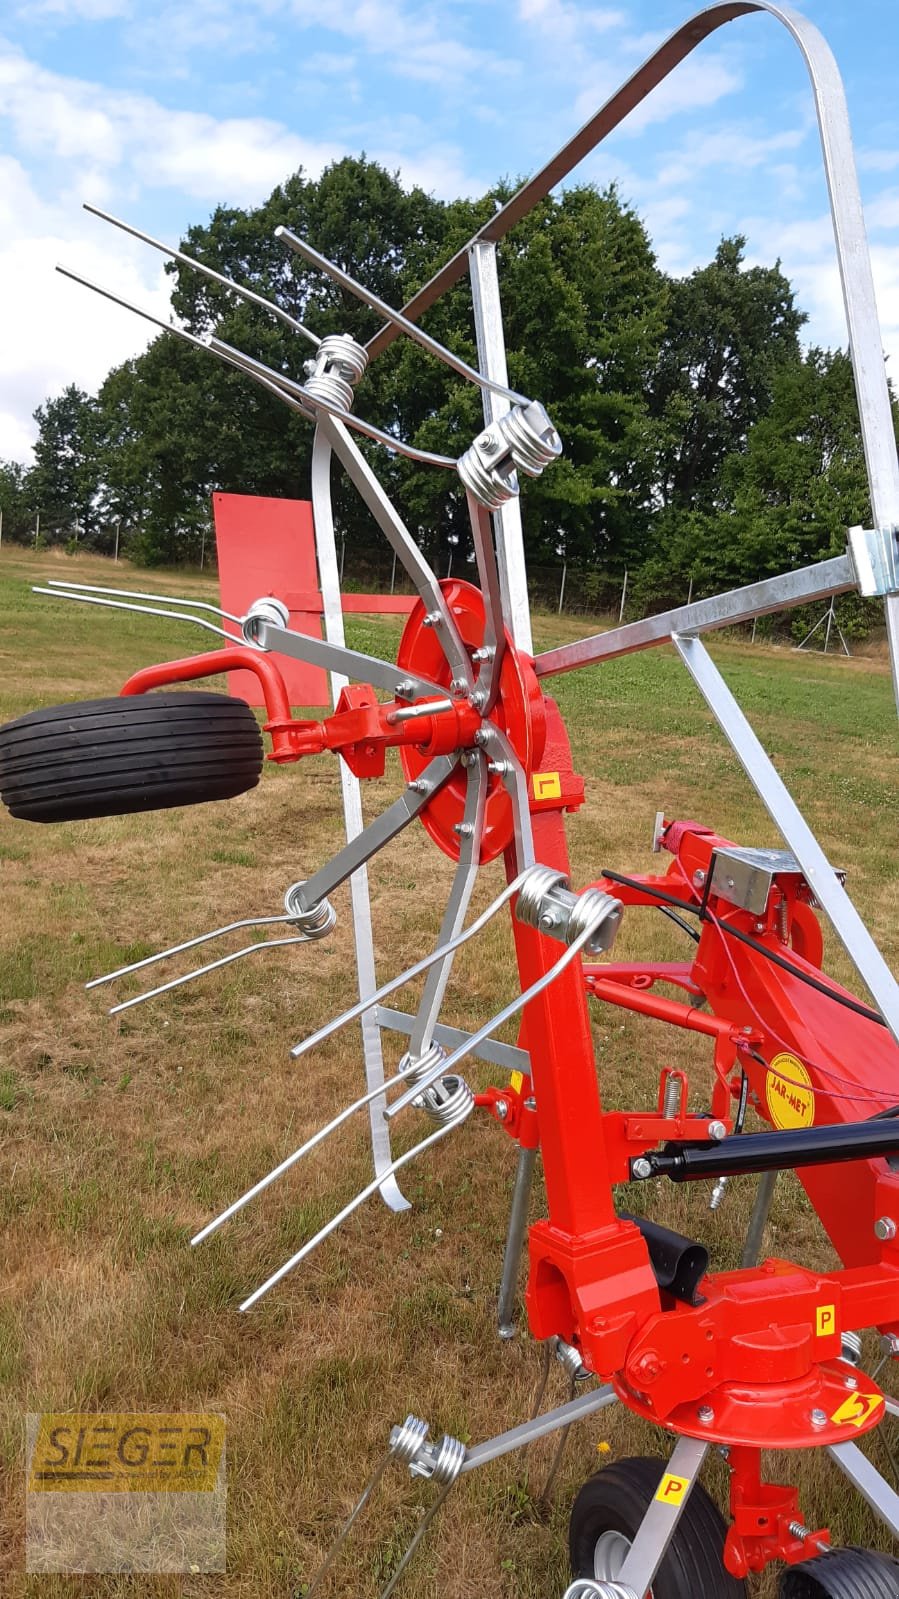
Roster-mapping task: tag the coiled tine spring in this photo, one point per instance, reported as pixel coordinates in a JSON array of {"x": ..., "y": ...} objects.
[{"x": 496, "y": 1021}]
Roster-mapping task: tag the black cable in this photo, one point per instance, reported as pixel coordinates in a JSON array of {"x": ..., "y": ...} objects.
[
  {"x": 761, "y": 949},
  {"x": 684, "y": 926}
]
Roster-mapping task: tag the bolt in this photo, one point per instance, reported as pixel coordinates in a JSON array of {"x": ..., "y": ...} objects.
[
  {"x": 699, "y": 877},
  {"x": 468, "y": 758},
  {"x": 530, "y": 1103},
  {"x": 478, "y": 698},
  {"x": 486, "y": 652},
  {"x": 464, "y": 829},
  {"x": 706, "y": 1415},
  {"x": 717, "y": 1130},
  {"x": 760, "y": 927},
  {"x": 641, "y": 1167},
  {"x": 405, "y": 690},
  {"x": 419, "y": 786},
  {"x": 502, "y": 1110},
  {"x": 851, "y": 1382},
  {"x": 818, "y": 1418},
  {"x": 889, "y": 1345},
  {"x": 748, "y": 1030},
  {"x": 488, "y": 441},
  {"x": 550, "y": 919},
  {"x": 458, "y": 686},
  {"x": 498, "y": 768},
  {"x": 432, "y": 619},
  {"x": 884, "y": 1229},
  {"x": 482, "y": 736}
]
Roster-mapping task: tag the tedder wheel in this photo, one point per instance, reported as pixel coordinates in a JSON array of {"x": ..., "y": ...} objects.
[
  {"x": 142, "y": 752},
  {"x": 604, "y": 1521},
  {"x": 844, "y": 1574}
]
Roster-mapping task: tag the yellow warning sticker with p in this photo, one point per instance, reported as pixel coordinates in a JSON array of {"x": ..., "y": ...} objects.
[
  {"x": 825, "y": 1321},
  {"x": 672, "y": 1490},
  {"x": 857, "y": 1409},
  {"x": 789, "y": 1092},
  {"x": 516, "y": 1082},
  {"x": 547, "y": 785}
]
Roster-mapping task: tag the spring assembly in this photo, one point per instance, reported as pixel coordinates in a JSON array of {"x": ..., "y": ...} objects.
[
  {"x": 592, "y": 1588},
  {"x": 317, "y": 921},
  {"x": 569, "y": 1359},
  {"x": 439, "y": 1462},
  {"x": 448, "y": 1100},
  {"x": 338, "y": 365},
  {"x": 406, "y": 1440},
  {"x": 265, "y": 609},
  {"x": 547, "y": 903},
  {"x": 852, "y": 1347},
  {"x": 523, "y": 439}
]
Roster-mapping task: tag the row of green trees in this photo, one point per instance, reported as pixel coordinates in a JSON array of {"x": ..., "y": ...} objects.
[{"x": 701, "y": 444}]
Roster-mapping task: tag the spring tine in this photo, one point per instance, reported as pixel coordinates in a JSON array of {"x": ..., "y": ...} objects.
[
  {"x": 410, "y": 972},
  {"x": 207, "y": 271},
  {"x": 420, "y": 1531},
  {"x": 508, "y": 1011},
  {"x": 143, "y": 610},
  {"x": 353, "y": 1516},
  {"x": 135, "y": 594},
  {"x": 201, "y": 971},
  {"x": 358, "y": 1199},
  {"x": 301, "y": 247},
  {"x": 189, "y": 943}
]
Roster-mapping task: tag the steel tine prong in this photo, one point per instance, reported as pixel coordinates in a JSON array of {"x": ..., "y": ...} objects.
[
  {"x": 357, "y": 1200},
  {"x": 366, "y": 1099},
  {"x": 301, "y": 247},
  {"x": 207, "y": 271},
  {"x": 142, "y": 610},
  {"x": 138, "y": 594},
  {"x": 189, "y": 943},
  {"x": 202, "y": 971}
]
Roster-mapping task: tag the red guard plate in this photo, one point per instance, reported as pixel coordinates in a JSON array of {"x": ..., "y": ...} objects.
[{"x": 518, "y": 711}]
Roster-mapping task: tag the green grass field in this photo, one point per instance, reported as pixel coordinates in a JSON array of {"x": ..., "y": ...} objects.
[{"x": 119, "y": 1137}]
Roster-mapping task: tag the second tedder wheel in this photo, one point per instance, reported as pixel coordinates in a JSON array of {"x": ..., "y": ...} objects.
[
  {"x": 604, "y": 1521},
  {"x": 111, "y": 757},
  {"x": 844, "y": 1574}
]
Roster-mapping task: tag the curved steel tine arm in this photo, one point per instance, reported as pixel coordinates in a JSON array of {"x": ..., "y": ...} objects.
[
  {"x": 311, "y": 405},
  {"x": 412, "y": 329},
  {"x": 142, "y": 610},
  {"x": 137, "y": 594},
  {"x": 207, "y": 271},
  {"x": 459, "y": 899},
  {"x": 358, "y": 1199},
  {"x": 337, "y": 658},
  {"x": 353, "y": 820},
  {"x": 496, "y": 1021},
  {"x": 817, "y": 582},
  {"x": 502, "y": 757},
  {"x": 786, "y": 815},
  {"x": 411, "y": 972},
  {"x": 378, "y": 833},
  {"x": 224, "y": 353},
  {"x": 202, "y": 971},
  {"x": 495, "y": 620},
  {"x": 399, "y": 538},
  {"x": 189, "y": 943},
  {"x": 374, "y": 1093}
]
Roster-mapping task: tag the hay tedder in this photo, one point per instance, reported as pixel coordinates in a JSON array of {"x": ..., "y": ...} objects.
[{"x": 767, "y": 1356}]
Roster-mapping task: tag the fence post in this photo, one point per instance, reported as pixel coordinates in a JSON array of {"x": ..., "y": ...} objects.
[
  {"x": 562, "y": 587},
  {"x": 623, "y": 598}
]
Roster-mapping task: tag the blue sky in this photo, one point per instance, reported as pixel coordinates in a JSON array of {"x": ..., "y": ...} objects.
[{"x": 160, "y": 111}]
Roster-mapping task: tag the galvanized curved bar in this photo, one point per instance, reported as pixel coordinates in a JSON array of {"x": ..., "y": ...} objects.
[{"x": 846, "y": 210}]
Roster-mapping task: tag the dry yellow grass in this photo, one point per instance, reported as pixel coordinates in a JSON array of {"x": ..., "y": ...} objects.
[{"x": 120, "y": 1136}]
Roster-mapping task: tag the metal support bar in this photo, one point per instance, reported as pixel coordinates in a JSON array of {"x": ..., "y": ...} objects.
[
  {"x": 758, "y": 1221},
  {"x": 351, "y": 795},
  {"x": 874, "y": 1488},
  {"x": 658, "y": 1526},
  {"x": 518, "y": 1220},
  {"x": 509, "y": 1056},
  {"x": 722, "y": 610},
  {"x": 506, "y": 1442},
  {"x": 488, "y": 324},
  {"x": 785, "y": 813},
  {"x": 337, "y": 658}
]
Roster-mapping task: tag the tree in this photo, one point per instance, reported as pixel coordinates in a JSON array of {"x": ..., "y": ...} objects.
[
  {"x": 65, "y": 481},
  {"x": 16, "y": 501},
  {"x": 730, "y": 332}
]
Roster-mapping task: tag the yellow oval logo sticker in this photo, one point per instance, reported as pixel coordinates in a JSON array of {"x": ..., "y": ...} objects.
[{"x": 788, "y": 1088}]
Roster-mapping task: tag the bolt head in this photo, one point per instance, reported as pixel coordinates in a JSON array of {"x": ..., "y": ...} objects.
[
  {"x": 641, "y": 1167},
  {"x": 463, "y": 829},
  {"x": 717, "y": 1131},
  {"x": 885, "y": 1229},
  {"x": 699, "y": 877},
  {"x": 502, "y": 1110},
  {"x": 488, "y": 441},
  {"x": 851, "y": 1382},
  {"x": 705, "y": 1414},
  {"x": 818, "y": 1418},
  {"x": 482, "y": 736}
]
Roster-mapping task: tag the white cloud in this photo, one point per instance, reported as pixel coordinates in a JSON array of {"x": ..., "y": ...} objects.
[
  {"x": 878, "y": 160},
  {"x": 75, "y": 10},
  {"x": 726, "y": 147}
]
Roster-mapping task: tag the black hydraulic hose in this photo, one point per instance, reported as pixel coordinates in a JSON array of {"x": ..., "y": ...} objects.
[{"x": 760, "y": 1152}]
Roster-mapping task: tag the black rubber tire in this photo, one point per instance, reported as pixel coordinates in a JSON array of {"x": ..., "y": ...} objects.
[
  {"x": 142, "y": 752},
  {"x": 619, "y": 1497},
  {"x": 844, "y": 1574}
]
